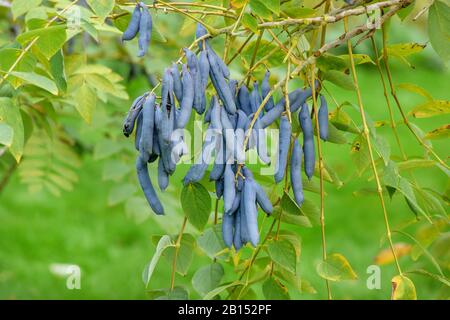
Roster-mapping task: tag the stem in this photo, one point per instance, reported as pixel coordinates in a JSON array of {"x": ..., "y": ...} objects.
[
  {"x": 210, "y": 29},
  {"x": 240, "y": 48},
  {"x": 177, "y": 248},
  {"x": 388, "y": 103},
  {"x": 369, "y": 144},
  {"x": 397, "y": 101},
  {"x": 321, "y": 167},
  {"x": 238, "y": 21},
  {"x": 255, "y": 51},
  {"x": 216, "y": 212},
  {"x": 324, "y": 28}
]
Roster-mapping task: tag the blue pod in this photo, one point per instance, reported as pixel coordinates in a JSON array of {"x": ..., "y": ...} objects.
[
  {"x": 265, "y": 89},
  {"x": 232, "y": 84},
  {"x": 229, "y": 188},
  {"x": 263, "y": 200},
  {"x": 216, "y": 122},
  {"x": 220, "y": 84},
  {"x": 323, "y": 118},
  {"x": 300, "y": 98},
  {"x": 133, "y": 26},
  {"x": 237, "y": 241},
  {"x": 200, "y": 32},
  {"x": 308, "y": 140},
  {"x": 203, "y": 65},
  {"x": 145, "y": 30},
  {"x": 133, "y": 113},
  {"x": 296, "y": 176},
  {"x": 236, "y": 204},
  {"x": 245, "y": 237},
  {"x": 207, "y": 117},
  {"x": 219, "y": 188},
  {"x": 283, "y": 148},
  {"x": 227, "y": 229},
  {"x": 261, "y": 146},
  {"x": 251, "y": 211},
  {"x": 191, "y": 60},
  {"x": 148, "y": 123},
  {"x": 222, "y": 66},
  {"x": 187, "y": 99},
  {"x": 177, "y": 84},
  {"x": 137, "y": 138},
  {"x": 219, "y": 163},
  {"x": 147, "y": 187},
  {"x": 244, "y": 99},
  {"x": 228, "y": 134},
  {"x": 163, "y": 176},
  {"x": 255, "y": 98}
]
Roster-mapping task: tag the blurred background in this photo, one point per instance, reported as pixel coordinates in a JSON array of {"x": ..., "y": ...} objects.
[{"x": 75, "y": 200}]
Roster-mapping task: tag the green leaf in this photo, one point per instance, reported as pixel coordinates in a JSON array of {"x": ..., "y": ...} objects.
[
  {"x": 383, "y": 148},
  {"x": 295, "y": 9},
  {"x": 10, "y": 115},
  {"x": 101, "y": 7},
  {"x": 260, "y": 9},
  {"x": 334, "y": 135},
  {"x": 416, "y": 163},
  {"x": 283, "y": 253},
  {"x": 342, "y": 121},
  {"x": 86, "y": 101},
  {"x": 185, "y": 253},
  {"x": 360, "y": 154},
  {"x": 196, "y": 204},
  {"x": 336, "y": 268},
  {"x": 438, "y": 28},
  {"x": 38, "y": 81},
  {"x": 442, "y": 132},
  {"x": 164, "y": 243},
  {"x": 289, "y": 206},
  {"x": 340, "y": 79},
  {"x": 291, "y": 219},
  {"x": 51, "y": 39},
  {"x": 90, "y": 29},
  {"x": 436, "y": 277},
  {"x": 6, "y": 134},
  {"x": 211, "y": 241},
  {"x": 20, "y": 7},
  {"x": 8, "y": 56},
  {"x": 215, "y": 292},
  {"x": 403, "y": 288},
  {"x": 208, "y": 278},
  {"x": 119, "y": 193},
  {"x": 403, "y": 50},
  {"x": 327, "y": 62},
  {"x": 431, "y": 108},
  {"x": 250, "y": 22},
  {"x": 273, "y": 289},
  {"x": 357, "y": 58},
  {"x": 411, "y": 87},
  {"x": 273, "y": 5},
  {"x": 58, "y": 72}
]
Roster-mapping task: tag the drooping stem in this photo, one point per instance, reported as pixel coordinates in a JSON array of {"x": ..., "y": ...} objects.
[
  {"x": 397, "y": 102},
  {"x": 255, "y": 52},
  {"x": 175, "y": 256},
  {"x": 369, "y": 147},
  {"x": 321, "y": 167}
]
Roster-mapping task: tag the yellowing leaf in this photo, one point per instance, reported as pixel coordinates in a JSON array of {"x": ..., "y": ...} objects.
[
  {"x": 85, "y": 102},
  {"x": 336, "y": 268},
  {"x": 386, "y": 257},
  {"x": 431, "y": 108},
  {"x": 442, "y": 132},
  {"x": 403, "y": 289}
]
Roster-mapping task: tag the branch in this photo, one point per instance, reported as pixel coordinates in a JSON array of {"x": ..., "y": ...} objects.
[{"x": 335, "y": 18}]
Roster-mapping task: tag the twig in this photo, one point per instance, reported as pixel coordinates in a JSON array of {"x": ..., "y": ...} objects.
[
  {"x": 175, "y": 256},
  {"x": 369, "y": 147}
]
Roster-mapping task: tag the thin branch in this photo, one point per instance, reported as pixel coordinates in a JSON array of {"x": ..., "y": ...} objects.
[
  {"x": 175, "y": 256},
  {"x": 369, "y": 147}
]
